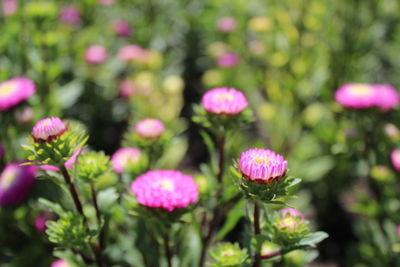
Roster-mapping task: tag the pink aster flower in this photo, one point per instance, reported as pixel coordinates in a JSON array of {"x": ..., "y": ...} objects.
[
  {"x": 133, "y": 53},
  {"x": 60, "y": 263},
  {"x": 262, "y": 165},
  {"x": 47, "y": 129},
  {"x": 149, "y": 128},
  {"x": 96, "y": 54},
  {"x": 387, "y": 96},
  {"x": 126, "y": 88},
  {"x": 356, "y": 95},
  {"x": 41, "y": 219},
  {"x": 292, "y": 212},
  {"x": 122, "y": 28},
  {"x": 70, "y": 15},
  {"x": 226, "y": 24},
  {"x": 14, "y": 91},
  {"x": 227, "y": 101},
  {"x": 395, "y": 157},
  {"x": 228, "y": 60},
  {"x": 165, "y": 189},
  {"x": 15, "y": 183},
  {"x": 10, "y": 7},
  {"x": 124, "y": 156}
]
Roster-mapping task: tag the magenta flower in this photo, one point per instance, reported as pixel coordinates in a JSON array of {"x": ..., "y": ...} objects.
[
  {"x": 124, "y": 156},
  {"x": 228, "y": 60},
  {"x": 226, "y": 101},
  {"x": 395, "y": 157},
  {"x": 356, "y": 95},
  {"x": 292, "y": 212},
  {"x": 15, "y": 183},
  {"x": 14, "y": 91},
  {"x": 10, "y": 7},
  {"x": 48, "y": 129},
  {"x": 149, "y": 128},
  {"x": 70, "y": 15},
  {"x": 132, "y": 53},
  {"x": 126, "y": 88},
  {"x": 40, "y": 221},
  {"x": 226, "y": 24},
  {"x": 262, "y": 165},
  {"x": 387, "y": 96},
  {"x": 165, "y": 189},
  {"x": 122, "y": 28},
  {"x": 96, "y": 54},
  {"x": 60, "y": 263}
]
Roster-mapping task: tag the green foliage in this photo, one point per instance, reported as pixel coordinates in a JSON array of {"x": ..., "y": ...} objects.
[
  {"x": 228, "y": 255},
  {"x": 91, "y": 166}
]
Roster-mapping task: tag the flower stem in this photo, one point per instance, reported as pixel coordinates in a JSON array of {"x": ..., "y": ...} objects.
[
  {"x": 98, "y": 216},
  {"x": 257, "y": 231},
  {"x": 167, "y": 249},
  {"x": 221, "y": 158},
  {"x": 72, "y": 190}
]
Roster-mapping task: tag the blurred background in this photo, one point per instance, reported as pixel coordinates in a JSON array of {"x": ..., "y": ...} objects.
[{"x": 110, "y": 63}]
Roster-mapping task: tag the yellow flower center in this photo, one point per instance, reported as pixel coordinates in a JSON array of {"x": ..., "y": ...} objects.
[
  {"x": 361, "y": 90},
  {"x": 224, "y": 96},
  {"x": 8, "y": 178},
  {"x": 167, "y": 184},
  {"x": 7, "y": 88},
  {"x": 260, "y": 160},
  {"x": 288, "y": 223},
  {"x": 228, "y": 253}
]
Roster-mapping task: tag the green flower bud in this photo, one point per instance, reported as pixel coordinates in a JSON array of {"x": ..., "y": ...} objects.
[{"x": 228, "y": 255}]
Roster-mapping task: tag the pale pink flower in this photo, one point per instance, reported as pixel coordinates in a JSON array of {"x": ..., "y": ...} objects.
[
  {"x": 133, "y": 53},
  {"x": 23, "y": 115},
  {"x": 48, "y": 129},
  {"x": 10, "y": 7},
  {"x": 70, "y": 15},
  {"x": 106, "y": 2},
  {"x": 262, "y": 165},
  {"x": 226, "y": 101},
  {"x": 96, "y": 54},
  {"x": 15, "y": 91},
  {"x": 149, "y": 128},
  {"x": 60, "y": 263},
  {"x": 395, "y": 157},
  {"x": 226, "y": 24},
  {"x": 387, "y": 96},
  {"x": 356, "y": 95},
  {"x": 122, "y": 28},
  {"x": 125, "y": 156},
  {"x": 165, "y": 189},
  {"x": 228, "y": 60},
  {"x": 127, "y": 88},
  {"x": 292, "y": 212}
]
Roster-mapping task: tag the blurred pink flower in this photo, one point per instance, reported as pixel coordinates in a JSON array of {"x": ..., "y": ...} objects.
[
  {"x": 122, "y": 28},
  {"x": 356, "y": 95},
  {"x": 47, "y": 129},
  {"x": 106, "y": 2},
  {"x": 60, "y": 263},
  {"x": 149, "y": 128},
  {"x": 96, "y": 54},
  {"x": 292, "y": 212},
  {"x": 226, "y": 24},
  {"x": 41, "y": 219},
  {"x": 23, "y": 115},
  {"x": 15, "y": 91},
  {"x": 126, "y": 88},
  {"x": 387, "y": 96},
  {"x": 228, "y": 60},
  {"x": 70, "y": 15},
  {"x": 226, "y": 101},
  {"x": 123, "y": 156},
  {"x": 15, "y": 183},
  {"x": 133, "y": 53},
  {"x": 395, "y": 157},
  {"x": 262, "y": 165},
  {"x": 165, "y": 189},
  {"x": 10, "y": 7}
]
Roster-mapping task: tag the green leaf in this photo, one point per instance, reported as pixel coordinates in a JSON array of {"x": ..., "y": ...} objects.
[
  {"x": 52, "y": 206},
  {"x": 313, "y": 239},
  {"x": 232, "y": 219}
]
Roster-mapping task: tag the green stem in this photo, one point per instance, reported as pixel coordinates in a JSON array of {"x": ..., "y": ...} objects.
[
  {"x": 72, "y": 190},
  {"x": 168, "y": 253},
  {"x": 257, "y": 231}
]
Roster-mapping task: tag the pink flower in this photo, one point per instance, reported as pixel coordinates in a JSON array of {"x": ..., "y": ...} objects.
[
  {"x": 124, "y": 156},
  {"x": 132, "y": 53},
  {"x": 15, "y": 183},
  {"x": 226, "y": 24},
  {"x": 106, "y": 2},
  {"x": 228, "y": 60},
  {"x": 395, "y": 157},
  {"x": 10, "y": 7},
  {"x": 23, "y": 115},
  {"x": 96, "y": 54},
  {"x": 127, "y": 88},
  {"x": 48, "y": 129},
  {"x": 149, "y": 128},
  {"x": 41, "y": 219},
  {"x": 14, "y": 91},
  {"x": 122, "y": 28},
  {"x": 262, "y": 165},
  {"x": 165, "y": 189},
  {"x": 60, "y": 263},
  {"x": 292, "y": 212},
  {"x": 70, "y": 15},
  {"x": 227, "y": 101},
  {"x": 356, "y": 96},
  {"x": 387, "y": 96}
]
